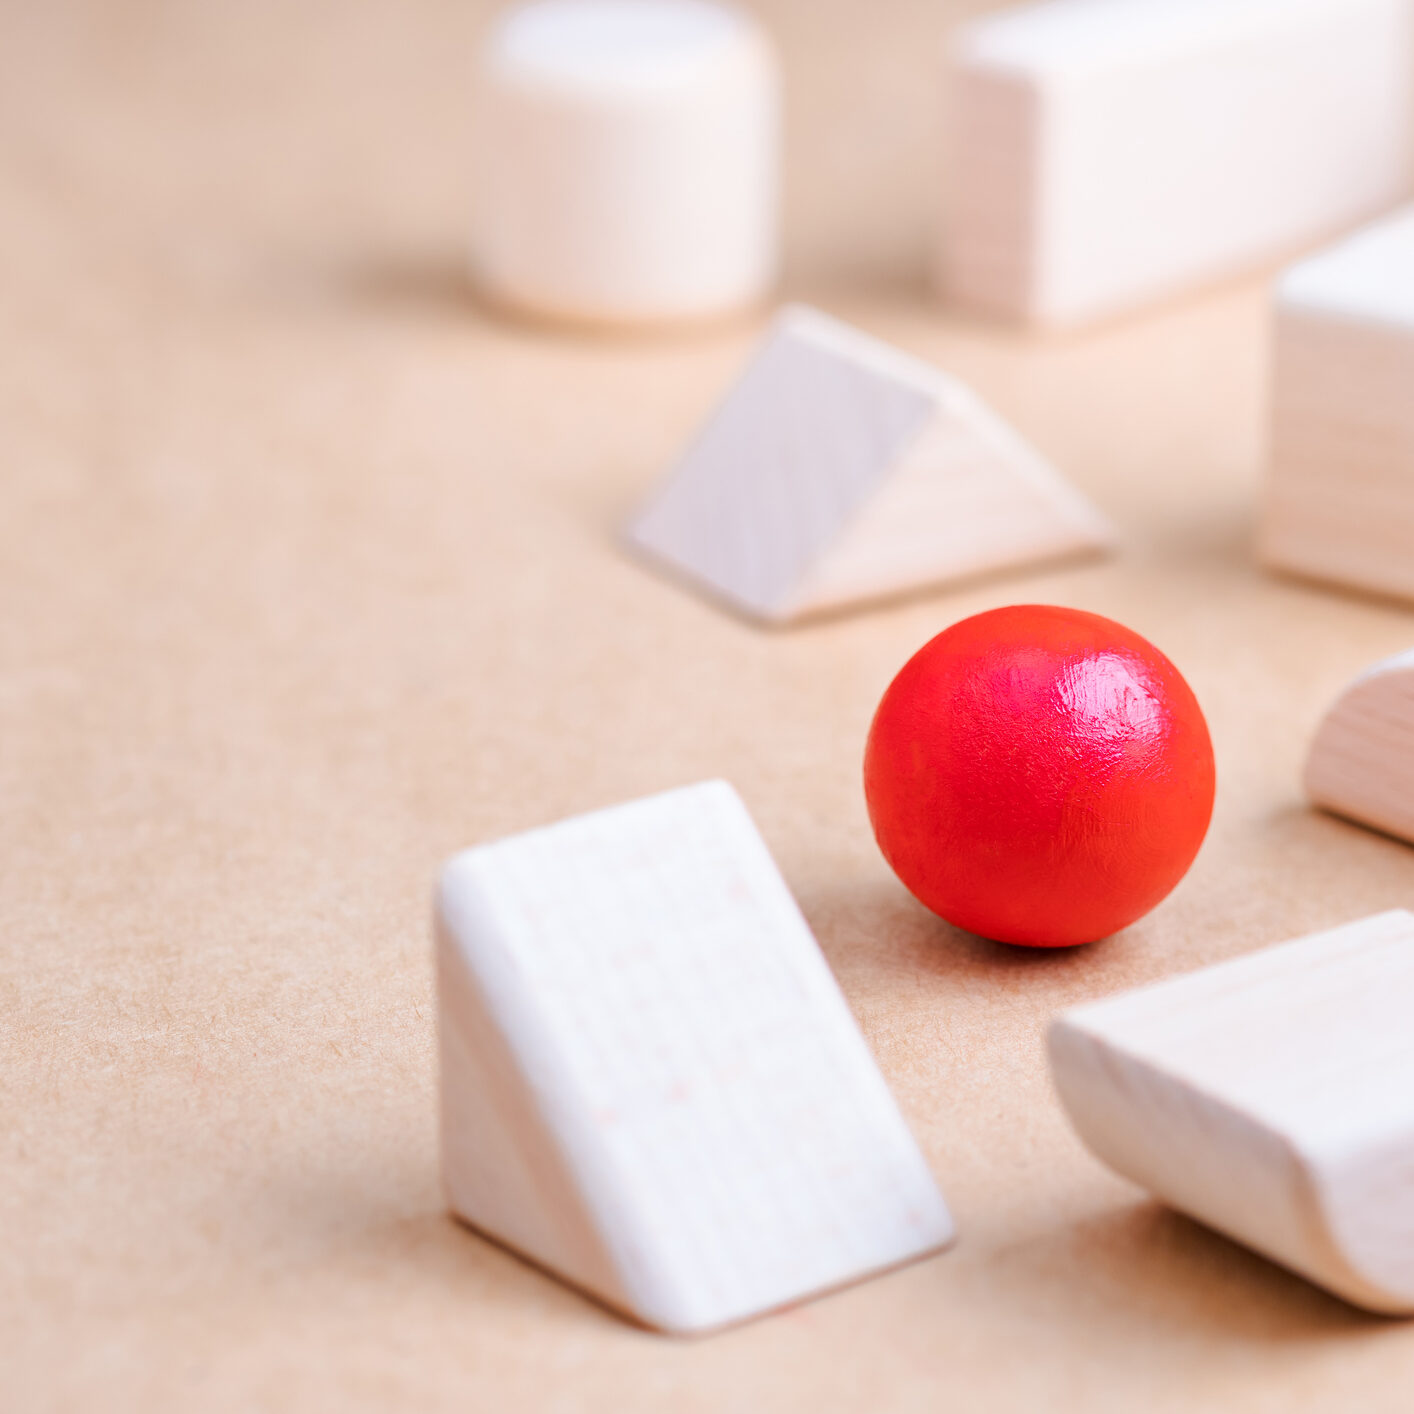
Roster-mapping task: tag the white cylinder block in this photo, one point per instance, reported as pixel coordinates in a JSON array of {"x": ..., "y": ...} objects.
[{"x": 627, "y": 161}]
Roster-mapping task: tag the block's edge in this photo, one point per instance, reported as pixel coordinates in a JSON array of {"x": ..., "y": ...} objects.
[
  {"x": 718, "y": 786},
  {"x": 935, "y": 1247},
  {"x": 662, "y": 1325},
  {"x": 1341, "y": 1193}
]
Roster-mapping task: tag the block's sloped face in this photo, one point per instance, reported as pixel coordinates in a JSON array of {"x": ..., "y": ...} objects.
[
  {"x": 811, "y": 428},
  {"x": 651, "y": 1082},
  {"x": 970, "y": 497},
  {"x": 1361, "y": 763},
  {"x": 1272, "y": 1097},
  {"x": 839, "y": 471},
  {"x": 1339, "y": 502},
  {"x": 1111, "y": 153}
]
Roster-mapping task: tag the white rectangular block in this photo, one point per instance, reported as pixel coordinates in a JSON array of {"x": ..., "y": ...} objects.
[
  {"x": 839, "y": 470},
  {"x": 1107, "y": 153},
  {"x": 1339, "y": 502},
  {"x": 651, "y": 1083},
  {"x": 1271, "y": 1097}
]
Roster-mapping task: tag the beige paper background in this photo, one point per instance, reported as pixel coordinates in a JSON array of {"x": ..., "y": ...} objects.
[{"x": 307, "y": 579}]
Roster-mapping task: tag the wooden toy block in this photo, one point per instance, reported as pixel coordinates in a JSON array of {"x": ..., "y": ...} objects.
[
  {"x": 1109, "y": 153},
  {"x": 1271, "y": 1097},
  {"x": 840, "y": 470},
  {"x": 1339, "y": 499},
  {"x": 651, "y": 1083},
  {"x": 626, "y": 166},
  {"x": 1362, "y": 757}
]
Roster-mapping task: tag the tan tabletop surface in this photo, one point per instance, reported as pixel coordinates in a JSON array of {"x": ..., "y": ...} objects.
[{"x": 308, "y": 579}]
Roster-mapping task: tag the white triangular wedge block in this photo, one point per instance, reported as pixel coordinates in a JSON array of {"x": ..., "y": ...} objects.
[
  {"x": 1271, "y": 1097},
  {"x": 1110, "y": 153},
  {"x": 1361, "y": 763},
  {"x": 840, "y": 470},
  {"x": 1339, "y": 502},
  {"x": 651, "y": 1083}
]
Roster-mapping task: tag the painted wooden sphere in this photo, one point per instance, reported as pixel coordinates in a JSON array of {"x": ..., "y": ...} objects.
[{"x": 1039, "y": 775}]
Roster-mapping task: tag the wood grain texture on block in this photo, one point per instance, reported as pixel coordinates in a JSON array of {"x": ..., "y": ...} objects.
[
  {"x": 1107, "y": 153},
  {"x": 1271, "y": 1097},
  {"x": 651, "y": 1082},
  {"x": 626, "y": 167},
  {"x": 839, "y": 470},
  {"x": 1361, "y": 763},
  {"x": 1339, "y": 497}
]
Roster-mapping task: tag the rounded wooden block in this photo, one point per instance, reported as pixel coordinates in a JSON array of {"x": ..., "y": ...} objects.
[
  {"x": 1270, "y": 1096},
  {"x": 626, "y": 161},
  {"x": 1360, "y": 763}
]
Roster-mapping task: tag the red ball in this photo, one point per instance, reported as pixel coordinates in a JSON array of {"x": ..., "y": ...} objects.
[{"x": 1039, "y": 775}]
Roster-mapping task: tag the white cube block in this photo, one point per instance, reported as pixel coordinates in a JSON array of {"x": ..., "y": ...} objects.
[
  {"x": 1271, "y": 1097},
  {"x": 651, "y": 1083},
  {"x": 1361, "y": 763},
  {"x": 1339, "y": 501},
  {"x": 626, "y": 166},
  {"x": 1108, "y": 153},
  {"x": 839, "y": 470}
]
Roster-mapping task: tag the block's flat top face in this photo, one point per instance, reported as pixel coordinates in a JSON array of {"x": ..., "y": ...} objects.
[
  {"x": 816, "y": 421},
  {"x": 1055, "y": 38},
  {"x": 615, "y": 44},
  {"x": 669, "y": 1002},
  {"x": 1313, "y": 1037},
  {"x": 1369, "y": 276}
]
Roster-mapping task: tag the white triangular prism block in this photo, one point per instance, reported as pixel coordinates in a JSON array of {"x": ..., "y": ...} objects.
[
  {"x": 1270, "y": 1096},
  {"x": 1361, "y": 763},
  {"x": 839, "y": 470},
  {"x": 651, "y": 1083}
]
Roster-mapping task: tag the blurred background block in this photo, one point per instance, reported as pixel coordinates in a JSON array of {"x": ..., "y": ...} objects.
[
  {"x": 627, "y": 162},
  {"x": 838, "y": 471},
  {"x": 1339, "y": 502},
  {"x": 1110, "y": 153}
]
